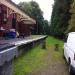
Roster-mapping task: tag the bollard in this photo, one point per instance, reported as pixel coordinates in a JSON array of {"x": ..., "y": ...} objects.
[
  {"x": 6, "y": 58},
  {"x": 44, "y": 45},
  {"x": 56, "y": 47}
]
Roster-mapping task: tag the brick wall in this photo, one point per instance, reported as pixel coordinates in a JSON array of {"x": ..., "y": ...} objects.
[
  {"x": 8, "y": 24},
  {"x": 24, "y": 29}
]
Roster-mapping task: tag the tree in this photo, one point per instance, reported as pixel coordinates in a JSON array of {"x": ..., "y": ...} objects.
[
  {"x": 71, "y": 27},
  {"x": 32, "y": 9},
  {"x": 60, "y": 17},
  {"x": 46, "y": 27}
]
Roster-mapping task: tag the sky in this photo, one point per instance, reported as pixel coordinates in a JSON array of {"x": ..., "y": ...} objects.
[{"x": 45, "y": 5}]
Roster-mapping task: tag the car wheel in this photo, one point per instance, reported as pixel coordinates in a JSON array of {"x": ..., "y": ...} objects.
[
  {"x": 70, "y": 67},
  {"x": 63, "y": 57}
]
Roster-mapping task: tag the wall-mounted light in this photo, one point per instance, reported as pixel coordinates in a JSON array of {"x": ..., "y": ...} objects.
[{"x": 5, "y": 18}]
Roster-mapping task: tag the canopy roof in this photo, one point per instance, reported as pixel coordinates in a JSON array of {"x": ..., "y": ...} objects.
[{"x": 14, "y": 7}]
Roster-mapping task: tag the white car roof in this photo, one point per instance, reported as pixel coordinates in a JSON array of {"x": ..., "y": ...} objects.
[{"x": 71, "y": 33}]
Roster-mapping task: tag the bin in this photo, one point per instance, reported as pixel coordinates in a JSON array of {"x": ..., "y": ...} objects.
[{"x": 12, "y": 34}]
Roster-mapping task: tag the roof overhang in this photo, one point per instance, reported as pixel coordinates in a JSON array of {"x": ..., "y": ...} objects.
[
  {"x": 26, "y": 21},
  {"x": 14, "y": 7}
]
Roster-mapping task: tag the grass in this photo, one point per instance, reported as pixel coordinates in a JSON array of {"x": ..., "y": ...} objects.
[
  {"x": 28, "y": 62},
  {"x": 52, "y": 41},
  {"x": 36, "y": 59}
]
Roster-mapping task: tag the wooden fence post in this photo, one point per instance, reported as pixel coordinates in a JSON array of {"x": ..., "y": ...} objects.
[{"x": 56, "y": 47}]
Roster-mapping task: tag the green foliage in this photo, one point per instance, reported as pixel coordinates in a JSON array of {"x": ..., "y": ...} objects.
[
  {"x": 71, "y": 27},
  {"x": 32, "y": 9},
  {"x": 46, "y": 27},
  {"x": 60, "y": 17}
]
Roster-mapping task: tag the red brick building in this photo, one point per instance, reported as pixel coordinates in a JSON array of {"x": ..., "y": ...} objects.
[{"x": 11, "y": 17}]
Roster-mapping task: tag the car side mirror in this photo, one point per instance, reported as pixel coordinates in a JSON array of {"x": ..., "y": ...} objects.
[{"x": 65, "y": 39}]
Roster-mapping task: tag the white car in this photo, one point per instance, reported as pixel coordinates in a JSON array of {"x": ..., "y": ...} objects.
[{"x": 69, "y": 52}]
